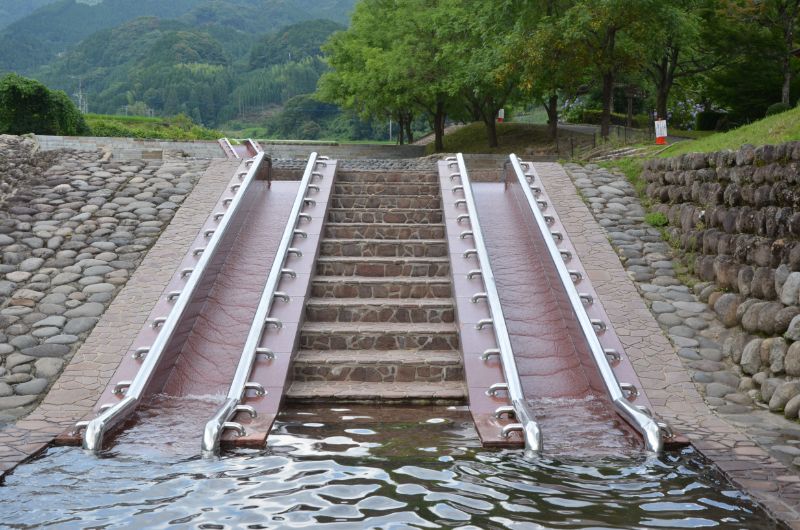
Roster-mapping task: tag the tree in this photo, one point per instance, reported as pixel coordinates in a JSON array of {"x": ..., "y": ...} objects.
[
  {"x": 27, "y": 106},
  {"x": 614, "y": 35},
  {"x": 388, "y": 64}
]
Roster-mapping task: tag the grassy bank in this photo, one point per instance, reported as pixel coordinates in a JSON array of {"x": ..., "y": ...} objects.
[
  {"x": 173, "y": 128},
  {"x": 784, "y": 127},
  {"x": 512, "y": 137}
]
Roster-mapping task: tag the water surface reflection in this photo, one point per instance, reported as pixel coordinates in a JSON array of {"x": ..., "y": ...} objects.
[{"x": 363, "y": 467}]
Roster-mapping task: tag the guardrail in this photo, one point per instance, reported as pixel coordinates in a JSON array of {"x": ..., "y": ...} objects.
[
  {"x": 641, "y": 420},
  {"x": 228, "y": 148},
  {"x": 261, "y": 321},
  {"x": 525, "y": 423},
  {"x": 169, "y": 326}
]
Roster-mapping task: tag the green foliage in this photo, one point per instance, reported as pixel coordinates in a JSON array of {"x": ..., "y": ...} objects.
[
  {"x": 783, "y": 127},
  {"x": 777, "y": 108},
  {"x": 27, "y": 106},
  {"x": 179, "y": 127},
  {"x": 293, "y": 43},
  {"x": 594, "y": 116},
  {"x": 656, "y": 219},
  {"x": 708, "y": 120}
]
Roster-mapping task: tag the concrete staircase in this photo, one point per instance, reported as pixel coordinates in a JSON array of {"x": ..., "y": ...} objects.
[{"x": 380, "y": 321}]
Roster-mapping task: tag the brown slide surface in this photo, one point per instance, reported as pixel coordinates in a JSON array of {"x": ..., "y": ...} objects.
[{"x": 561, "y": 382}]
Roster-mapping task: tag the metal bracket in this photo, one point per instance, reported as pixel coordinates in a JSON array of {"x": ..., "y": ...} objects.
[
  {"x": 483, "y": 323},
  {"x": 257, "y": 387},
  {"x": 121, "y": 387},
  {"x": 630, "y": 391},
  {"x": 273, "y": 322},
  {"x": 488, "y": 354},
  {"x": 497, "y": 387},
  {"x": 505, "y": 410},
  {"x": 474, "y": 272}
]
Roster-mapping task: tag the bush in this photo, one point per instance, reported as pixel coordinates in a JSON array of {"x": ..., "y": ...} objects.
[
  {"x": 656, "y": 219},
  {"x": 777, "y": 108},
  {"x": 707, "y": 120},
  {"x": 595, "y": 116},
  {"x": 27, "y": 106}
]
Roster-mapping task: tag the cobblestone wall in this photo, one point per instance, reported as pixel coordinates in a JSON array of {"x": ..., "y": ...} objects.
[{"x": 736, "y": 215}]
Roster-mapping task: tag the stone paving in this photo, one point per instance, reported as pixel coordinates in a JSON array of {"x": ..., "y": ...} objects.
[
  {"x": 88, "y": 372},
  {"x": 738, "y": 438},
  {"x": 70, "y": 236}
]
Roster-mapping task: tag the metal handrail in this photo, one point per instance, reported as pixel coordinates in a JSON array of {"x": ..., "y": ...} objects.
[
  {"x": 642, "y": 422},
  {"x": 228, "y": 147},
  {"x": 220, "y": 421},
  {"x": 97, "y": 428},
  {"x": 525, "y": 422},
  {"x": 256, "y": 146}
]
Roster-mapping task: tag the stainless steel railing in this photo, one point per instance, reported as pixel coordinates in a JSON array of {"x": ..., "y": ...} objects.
[
  {"x": 524, "y": 420},
  {"x": 241, "y": 384},
  {"x": 168, "y": 326},
  {"x": 228, "y": 148},
  {"x": 641, "y": 420}
]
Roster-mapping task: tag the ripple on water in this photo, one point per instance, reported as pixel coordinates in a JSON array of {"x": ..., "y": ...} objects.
[{"x": 322, "y": 471}]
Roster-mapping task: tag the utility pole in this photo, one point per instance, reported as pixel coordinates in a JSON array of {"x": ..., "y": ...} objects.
[{"x": 83, "y": 102}]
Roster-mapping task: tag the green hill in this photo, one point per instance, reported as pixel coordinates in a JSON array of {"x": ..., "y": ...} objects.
[
  {"x": 13, "y": 10},
  {"x": 38, "y": 38},
  {"x": 784, "y": 127}
]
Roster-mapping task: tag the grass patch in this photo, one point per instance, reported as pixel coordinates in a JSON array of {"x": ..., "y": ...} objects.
[
  {"x": 694, "y": 135},
  {"x": 174, "y": 128},
  {"x": 512, "y": 137},
  {"x": 780, "y": 128},
  {"x": 656, "y": 219}
]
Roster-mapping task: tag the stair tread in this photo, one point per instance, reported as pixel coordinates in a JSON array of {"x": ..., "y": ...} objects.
[
  {"x": 381, "y": 279},
  {"x": 378, "y": 327},
  {"x": 371, "y": 357},
  {"x": 392, "y": 241},
  {"x": 393, "y": 302},
  {"x": 387, "y": 259},
  {"x": 359, "y": 390},
  {"x": 337, "y": 224}
]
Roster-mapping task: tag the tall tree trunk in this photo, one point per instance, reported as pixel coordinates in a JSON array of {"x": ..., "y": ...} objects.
[
  {"x": 400, "y": 132},
  {"x": 552, "y": 116},
  {"x": 491, "y": 129},
  {"x": 438, "y": 126},
  {"x": 409, "y": 132},
  {"x": 788, "y": 14},
  {"x": 608, "y": 103}
]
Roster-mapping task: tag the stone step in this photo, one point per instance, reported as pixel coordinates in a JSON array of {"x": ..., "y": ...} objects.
[
  {"x": 378, "y": 336},
  {"x": 384, "y": 231},
  {"x": 384, "y": 248},
  {"x": 366, "y": 287},
  {"x": 383, "y": 267},
  {"x": 386, "y": 189},
  {"x": 377, "y": 366},
  {"x": 383, "y": 215},
  {"x": 405, "y": 177},
  {"x": 447, "y": 392},
  {"x": 401, "y": 310},
  {"x": 422, "y": 202}
]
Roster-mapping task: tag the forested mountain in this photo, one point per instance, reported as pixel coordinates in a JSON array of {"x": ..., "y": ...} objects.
[
  {"x": 52, "y": 29},
  {"x": 209, "y": 72},
  {"x": 13, "y": 10}
]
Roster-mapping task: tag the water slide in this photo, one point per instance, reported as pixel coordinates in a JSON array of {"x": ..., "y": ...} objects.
[
  {"x": 544, "y": 366},
  {"x": 215, "y": 331}
]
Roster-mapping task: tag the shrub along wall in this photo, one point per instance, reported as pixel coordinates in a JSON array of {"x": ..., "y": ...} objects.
[{"x": 736, "y": 216}]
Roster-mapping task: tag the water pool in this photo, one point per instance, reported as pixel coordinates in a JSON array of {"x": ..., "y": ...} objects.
[{"x": 364, "y": 467}]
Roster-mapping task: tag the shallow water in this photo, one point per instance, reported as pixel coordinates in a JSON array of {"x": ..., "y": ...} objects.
[{"x": 360, "y": 467}]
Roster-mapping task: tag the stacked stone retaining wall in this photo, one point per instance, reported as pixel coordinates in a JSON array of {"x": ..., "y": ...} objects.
[{"x": 736, "y": 217}]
